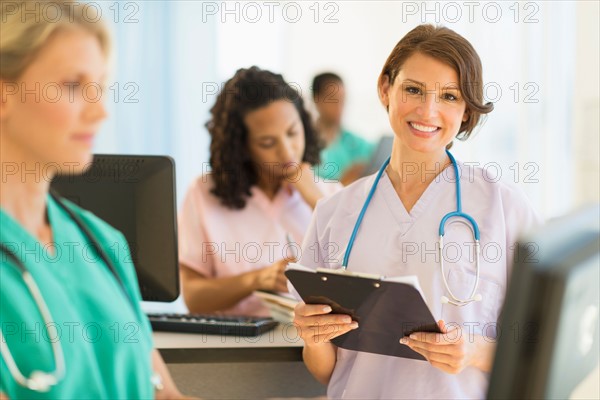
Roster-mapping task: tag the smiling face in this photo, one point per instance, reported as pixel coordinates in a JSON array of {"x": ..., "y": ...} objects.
[
  {"x": 57, "y": 124},
  {"x": 275, "y": 140},
  {"x": 424, "y": 103}
]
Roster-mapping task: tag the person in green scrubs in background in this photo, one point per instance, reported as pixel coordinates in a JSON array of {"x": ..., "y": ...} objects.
[
  {"x": 345, "y": 154},
  {"x": 96, "y": 342}
]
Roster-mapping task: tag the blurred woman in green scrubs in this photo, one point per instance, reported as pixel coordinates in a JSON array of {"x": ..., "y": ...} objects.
[{"x": 94, "y": 341}]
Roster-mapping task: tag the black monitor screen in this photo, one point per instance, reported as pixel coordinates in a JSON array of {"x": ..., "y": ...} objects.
[
  {"x": 136, "y": 195},
  {"x": 548, "y": 341}
]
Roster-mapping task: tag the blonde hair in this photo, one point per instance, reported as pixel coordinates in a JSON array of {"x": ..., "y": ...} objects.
[{"x": 25, "y": 26}]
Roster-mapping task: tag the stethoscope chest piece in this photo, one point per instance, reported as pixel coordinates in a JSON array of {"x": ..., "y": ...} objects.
[{"x": 456, "y": 216}]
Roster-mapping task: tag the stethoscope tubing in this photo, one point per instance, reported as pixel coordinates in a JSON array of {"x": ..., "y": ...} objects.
[
  {"x": 42, "y": 381},
  {"x": 459, "y": 214}
]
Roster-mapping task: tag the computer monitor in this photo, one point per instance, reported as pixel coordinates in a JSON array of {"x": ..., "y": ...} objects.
[
  {"x": 548, "y": 337},
  {"x": 136, "y": 195}
]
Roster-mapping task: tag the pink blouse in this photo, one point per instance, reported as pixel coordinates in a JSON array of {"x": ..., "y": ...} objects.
[{"x": 218, "y": 242}]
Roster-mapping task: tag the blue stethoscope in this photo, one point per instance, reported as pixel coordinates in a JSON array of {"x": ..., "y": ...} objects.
[{"x": 459, "y": 216}]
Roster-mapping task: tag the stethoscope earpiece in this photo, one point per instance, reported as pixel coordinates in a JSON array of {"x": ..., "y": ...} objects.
[
  {"x": 445, "y": 300},
  {"x": 477, "y": 297}
]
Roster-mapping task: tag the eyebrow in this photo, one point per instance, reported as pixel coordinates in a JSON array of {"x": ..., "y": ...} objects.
[
  {"x": 450, "y": 86},
  {"x": 293, "y": 124},
  {"x": 85, "y": 76},
  {"x": 289, "y": 128},
  {"x": 413, "y": 81}
]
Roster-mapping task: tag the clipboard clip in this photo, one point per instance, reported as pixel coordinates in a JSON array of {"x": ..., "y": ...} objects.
[{"x": 345, "y": 272}]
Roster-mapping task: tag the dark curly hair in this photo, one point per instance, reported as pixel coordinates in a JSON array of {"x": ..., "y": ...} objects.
[{"x": 232, "y": 169}]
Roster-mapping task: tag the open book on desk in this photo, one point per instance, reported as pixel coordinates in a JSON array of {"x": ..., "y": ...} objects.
[{"x": 386, "y": 309}]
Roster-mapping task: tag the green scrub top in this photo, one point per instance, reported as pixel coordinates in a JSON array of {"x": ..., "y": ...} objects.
[
  {"x": 346, "y": 150},
  {"x": 107, "y": 343}
]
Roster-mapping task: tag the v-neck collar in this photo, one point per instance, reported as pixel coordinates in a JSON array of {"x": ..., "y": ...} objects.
[
  {"x": 404, "y": 218},
  {"x": 20, "y": 234}
]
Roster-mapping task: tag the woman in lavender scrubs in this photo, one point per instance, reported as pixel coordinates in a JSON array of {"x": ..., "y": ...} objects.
[{"x": 431, "y": 86}]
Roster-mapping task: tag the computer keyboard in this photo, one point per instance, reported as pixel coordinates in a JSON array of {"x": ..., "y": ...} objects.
[{"x": 212, "y": 324}]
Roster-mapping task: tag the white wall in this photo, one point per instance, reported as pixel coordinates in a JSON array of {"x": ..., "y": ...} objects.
[
  {"x": 586, "y": 105},
  {"x": 540, "y": 145}
]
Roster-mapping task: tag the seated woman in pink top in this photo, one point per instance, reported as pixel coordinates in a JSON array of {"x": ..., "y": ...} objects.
[{"x": 239, "y": 224}]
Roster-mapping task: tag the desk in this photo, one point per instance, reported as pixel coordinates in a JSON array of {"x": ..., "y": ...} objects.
[
  {"x": 233, "y": 367},
  {"x": 268, "y": 366}
]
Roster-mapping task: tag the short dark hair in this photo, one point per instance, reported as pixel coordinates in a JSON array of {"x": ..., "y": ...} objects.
[
  {"x": 321, "y": 81},
  {"x": 248, "y": 90},
  {"x": 447, "y": 46}
]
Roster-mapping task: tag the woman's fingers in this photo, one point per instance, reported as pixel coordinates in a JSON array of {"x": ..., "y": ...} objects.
[
  {"x": 324, "y": 327},
  {"x": 316, "y": 325},
  {"x": 277, "y": 280},
  {"x": 438, "y": 339},
  {"x": 434, "y": 345},
  {"x": 432, "y": 355},
  {"x": 306, "y": 310},
  {"x": 281, "y": 285},
  {"x": 284, "y": 262},
  {"x": 324, "y": 323},
  {"x": 324, "y": 320},
  {"x": 327, "y": 337},
  {"x": 317, "y": 335},
  {"x": 451, "y": 357},
  {"x": 273, "y": 277}
]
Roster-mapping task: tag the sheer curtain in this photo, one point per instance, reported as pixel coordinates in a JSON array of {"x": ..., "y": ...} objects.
[{"x": 164, "y": 59}]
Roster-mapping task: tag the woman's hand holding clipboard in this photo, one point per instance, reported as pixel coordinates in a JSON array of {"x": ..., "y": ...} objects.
[{"x": 384, "y": 310}]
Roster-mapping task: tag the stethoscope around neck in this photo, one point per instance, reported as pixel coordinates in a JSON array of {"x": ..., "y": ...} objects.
[
  {"x": 457, "y": 216},
  {"x": 41, "y": 381}
]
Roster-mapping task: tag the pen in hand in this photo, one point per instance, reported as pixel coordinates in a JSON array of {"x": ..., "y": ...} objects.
[{"x": 291, "y": 245}]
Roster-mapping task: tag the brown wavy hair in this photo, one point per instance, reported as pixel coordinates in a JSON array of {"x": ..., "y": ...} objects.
[
  {"x": 452, "y": 49},
  {"x": 232, "y": 169}
]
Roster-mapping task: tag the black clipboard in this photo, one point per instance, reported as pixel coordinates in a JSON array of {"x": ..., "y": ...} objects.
[{"x": 385, "y": 311}]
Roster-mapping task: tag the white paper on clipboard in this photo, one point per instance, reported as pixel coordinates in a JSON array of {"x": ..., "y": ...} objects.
[{"x": 412, "y": 280}]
